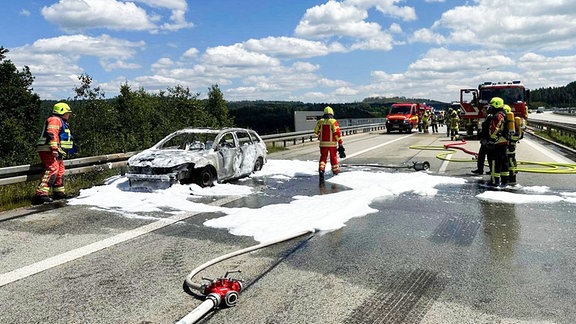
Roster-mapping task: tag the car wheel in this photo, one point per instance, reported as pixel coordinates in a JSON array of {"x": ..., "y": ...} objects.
[
  {"x": 258, "y": 164},
  {"x": 205, "y": 177}
]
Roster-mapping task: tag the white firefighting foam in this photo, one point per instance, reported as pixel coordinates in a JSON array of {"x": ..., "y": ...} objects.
[{"x": 323, "y": 212}]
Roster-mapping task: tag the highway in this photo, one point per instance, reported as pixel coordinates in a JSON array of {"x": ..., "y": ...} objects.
[{"x": 447, "y": 258}]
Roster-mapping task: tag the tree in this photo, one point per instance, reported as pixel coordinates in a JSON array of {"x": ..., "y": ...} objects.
[
  {"x": 94, "y": 120},
  {"x": 217, "y": 107},
  {"x": 20, "y": 114}
]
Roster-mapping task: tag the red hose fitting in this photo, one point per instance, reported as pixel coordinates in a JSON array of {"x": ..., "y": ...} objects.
[{"x": 227, "y": 289}]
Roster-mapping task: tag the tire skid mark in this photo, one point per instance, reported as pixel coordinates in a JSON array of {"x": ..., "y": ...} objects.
[
  {"x": 460, "y": 230},
  {"x": 402, "y": 298}
]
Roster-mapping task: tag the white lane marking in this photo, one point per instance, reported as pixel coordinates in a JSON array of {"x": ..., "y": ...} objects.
[
  {"x": 549, "y": 153},
  {"x": 375, "y": 147},
  {"x": 445, "y": 163},
  {"x": 72, "y": 255}
]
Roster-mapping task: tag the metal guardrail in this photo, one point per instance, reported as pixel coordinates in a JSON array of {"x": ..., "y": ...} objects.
[
  {"x": 308, "y": 136},
  {"x": 562, "y": 128},
  {"x": 22, "y": 173}
]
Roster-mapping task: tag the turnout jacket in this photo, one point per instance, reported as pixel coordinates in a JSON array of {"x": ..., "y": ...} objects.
[
  {"x": 497, "y": 128},
  {"x": 55, "y": 136},
  {"x": 328, "y": 132}
]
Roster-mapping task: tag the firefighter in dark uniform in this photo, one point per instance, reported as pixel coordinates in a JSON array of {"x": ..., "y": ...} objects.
[
  {"x": 498, "y": 143},
  {"x": 515, "y": 134}
]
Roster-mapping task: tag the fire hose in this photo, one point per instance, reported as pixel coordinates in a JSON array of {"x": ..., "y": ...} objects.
[
  {"x": 417, "y": 166},
  {"x": 223, "y": 292},
  {"x": 544, "y": 167}
]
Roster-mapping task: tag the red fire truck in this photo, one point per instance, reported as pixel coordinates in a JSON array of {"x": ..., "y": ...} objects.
[{"x": 472, "y": 101}]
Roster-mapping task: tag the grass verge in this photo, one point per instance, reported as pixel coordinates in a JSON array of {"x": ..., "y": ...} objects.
[
  {"x": 558, "y": 138},
  {"x": 19, "y": 194}
]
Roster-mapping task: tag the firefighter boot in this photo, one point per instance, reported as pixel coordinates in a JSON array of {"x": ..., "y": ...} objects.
[
  {"x": 512, "y": 180},
  {"x": 41, "y": 199},
  {"x": 321, "y": 175},
  {"x": 494, "y": 182},
  {"x": 60, "y": 196},
  {"x": 504, "y": 181}
]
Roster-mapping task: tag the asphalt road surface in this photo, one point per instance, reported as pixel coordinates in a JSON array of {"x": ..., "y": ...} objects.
[{"x": 451, "y": 258}]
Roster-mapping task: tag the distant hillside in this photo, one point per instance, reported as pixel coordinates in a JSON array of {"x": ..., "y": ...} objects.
[{"x": 554, "y": 96}]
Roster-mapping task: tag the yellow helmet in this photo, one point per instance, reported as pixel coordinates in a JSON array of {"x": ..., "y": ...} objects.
[
  {"x": 507, "y": 108},
  {"x": 61, "y": 108},
  {"x": 328, "y": 110},
  {"x": 497, "y": 102}
]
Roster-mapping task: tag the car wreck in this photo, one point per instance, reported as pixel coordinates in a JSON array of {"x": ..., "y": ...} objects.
[{"x": 198, "y": 155}]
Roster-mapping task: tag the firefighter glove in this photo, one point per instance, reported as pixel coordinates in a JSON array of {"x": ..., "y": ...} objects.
[
  {"x": 61, "y": 153},
  {"x": 341, "y": 151}
]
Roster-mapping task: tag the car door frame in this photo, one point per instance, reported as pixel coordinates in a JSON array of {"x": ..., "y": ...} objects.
[{"x": 229, "y": 158}]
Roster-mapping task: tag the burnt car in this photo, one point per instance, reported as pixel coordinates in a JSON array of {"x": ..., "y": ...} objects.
[{"x": 198, "y": 155}]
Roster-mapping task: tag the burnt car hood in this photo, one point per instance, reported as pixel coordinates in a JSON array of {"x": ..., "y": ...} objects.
[{"x": 167, "y": 158}]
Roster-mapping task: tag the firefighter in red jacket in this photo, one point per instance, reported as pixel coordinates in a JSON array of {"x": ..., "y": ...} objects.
[
  {"x": 328, "y": 132},
  {"x": 54, "y": 144}
]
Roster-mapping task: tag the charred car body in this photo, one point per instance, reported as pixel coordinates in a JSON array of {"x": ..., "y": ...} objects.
[{"x": 198, "y": 155}]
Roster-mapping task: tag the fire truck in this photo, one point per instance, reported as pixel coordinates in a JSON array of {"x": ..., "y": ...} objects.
[
  {"x": 403, "y": 117},
  {"x": 473, "y": 101}
]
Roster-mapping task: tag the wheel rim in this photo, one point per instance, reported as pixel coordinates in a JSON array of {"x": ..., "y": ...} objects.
[{"x": 206, "y": 178}]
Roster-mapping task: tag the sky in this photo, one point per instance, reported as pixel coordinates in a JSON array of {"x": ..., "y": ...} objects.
[
  {"x": 303, "y": 213},
  {"x": 309, "y": 51}
]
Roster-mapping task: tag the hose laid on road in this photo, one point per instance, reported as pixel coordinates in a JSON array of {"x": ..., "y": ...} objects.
[
  {"x": 209, "y": 303},
  {"x": 543, "y": 167}
]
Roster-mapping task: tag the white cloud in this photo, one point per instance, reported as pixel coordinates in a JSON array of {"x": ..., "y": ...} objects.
[
  {"x": 427, "y": 36},
  {"x": 387, "y": 7},
  {"x": 290, "y": 47},
  {"x": 54, "y": 62},
  {"x": 75, "y": 15},
  {"x": 79, "y": 45},
  {"x": 447, "y": 61},
  {"x": 545, "y": 71},
  {"x": 336, "y": 19},
  {"x": 78, "y": 15},
  {"x": 169, "y": 4},
  {"x": 237, "y": 56},
  {"x": 504, "y": 24}
]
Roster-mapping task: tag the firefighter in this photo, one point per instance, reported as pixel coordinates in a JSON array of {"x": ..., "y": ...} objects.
[
  {"x": 454, "y": 123},
  {"x": 484, "y": 138},
  {"x": 498, "y": 143},
  {"x": 447, "y": 121},
  {"x": 434, "y": 122},
  {"x": 54, "y": 144},
  {"x": 330, "y": 140},
  {"x": 420, "y": 122},
  {"x": 515, "y": 136},
  {"x": 425, "y": 120}
]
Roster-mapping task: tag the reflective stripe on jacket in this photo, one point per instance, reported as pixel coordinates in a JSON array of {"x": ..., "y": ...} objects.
[{"x": 328, "y": 132}]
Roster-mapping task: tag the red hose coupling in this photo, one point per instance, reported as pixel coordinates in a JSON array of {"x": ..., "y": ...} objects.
[{"x": 226, "y": 288}]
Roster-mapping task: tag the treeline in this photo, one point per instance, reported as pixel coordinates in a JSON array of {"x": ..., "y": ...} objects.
[
  {"x": 554, "y": 96},
  {"x": 272, "y": 117}
]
